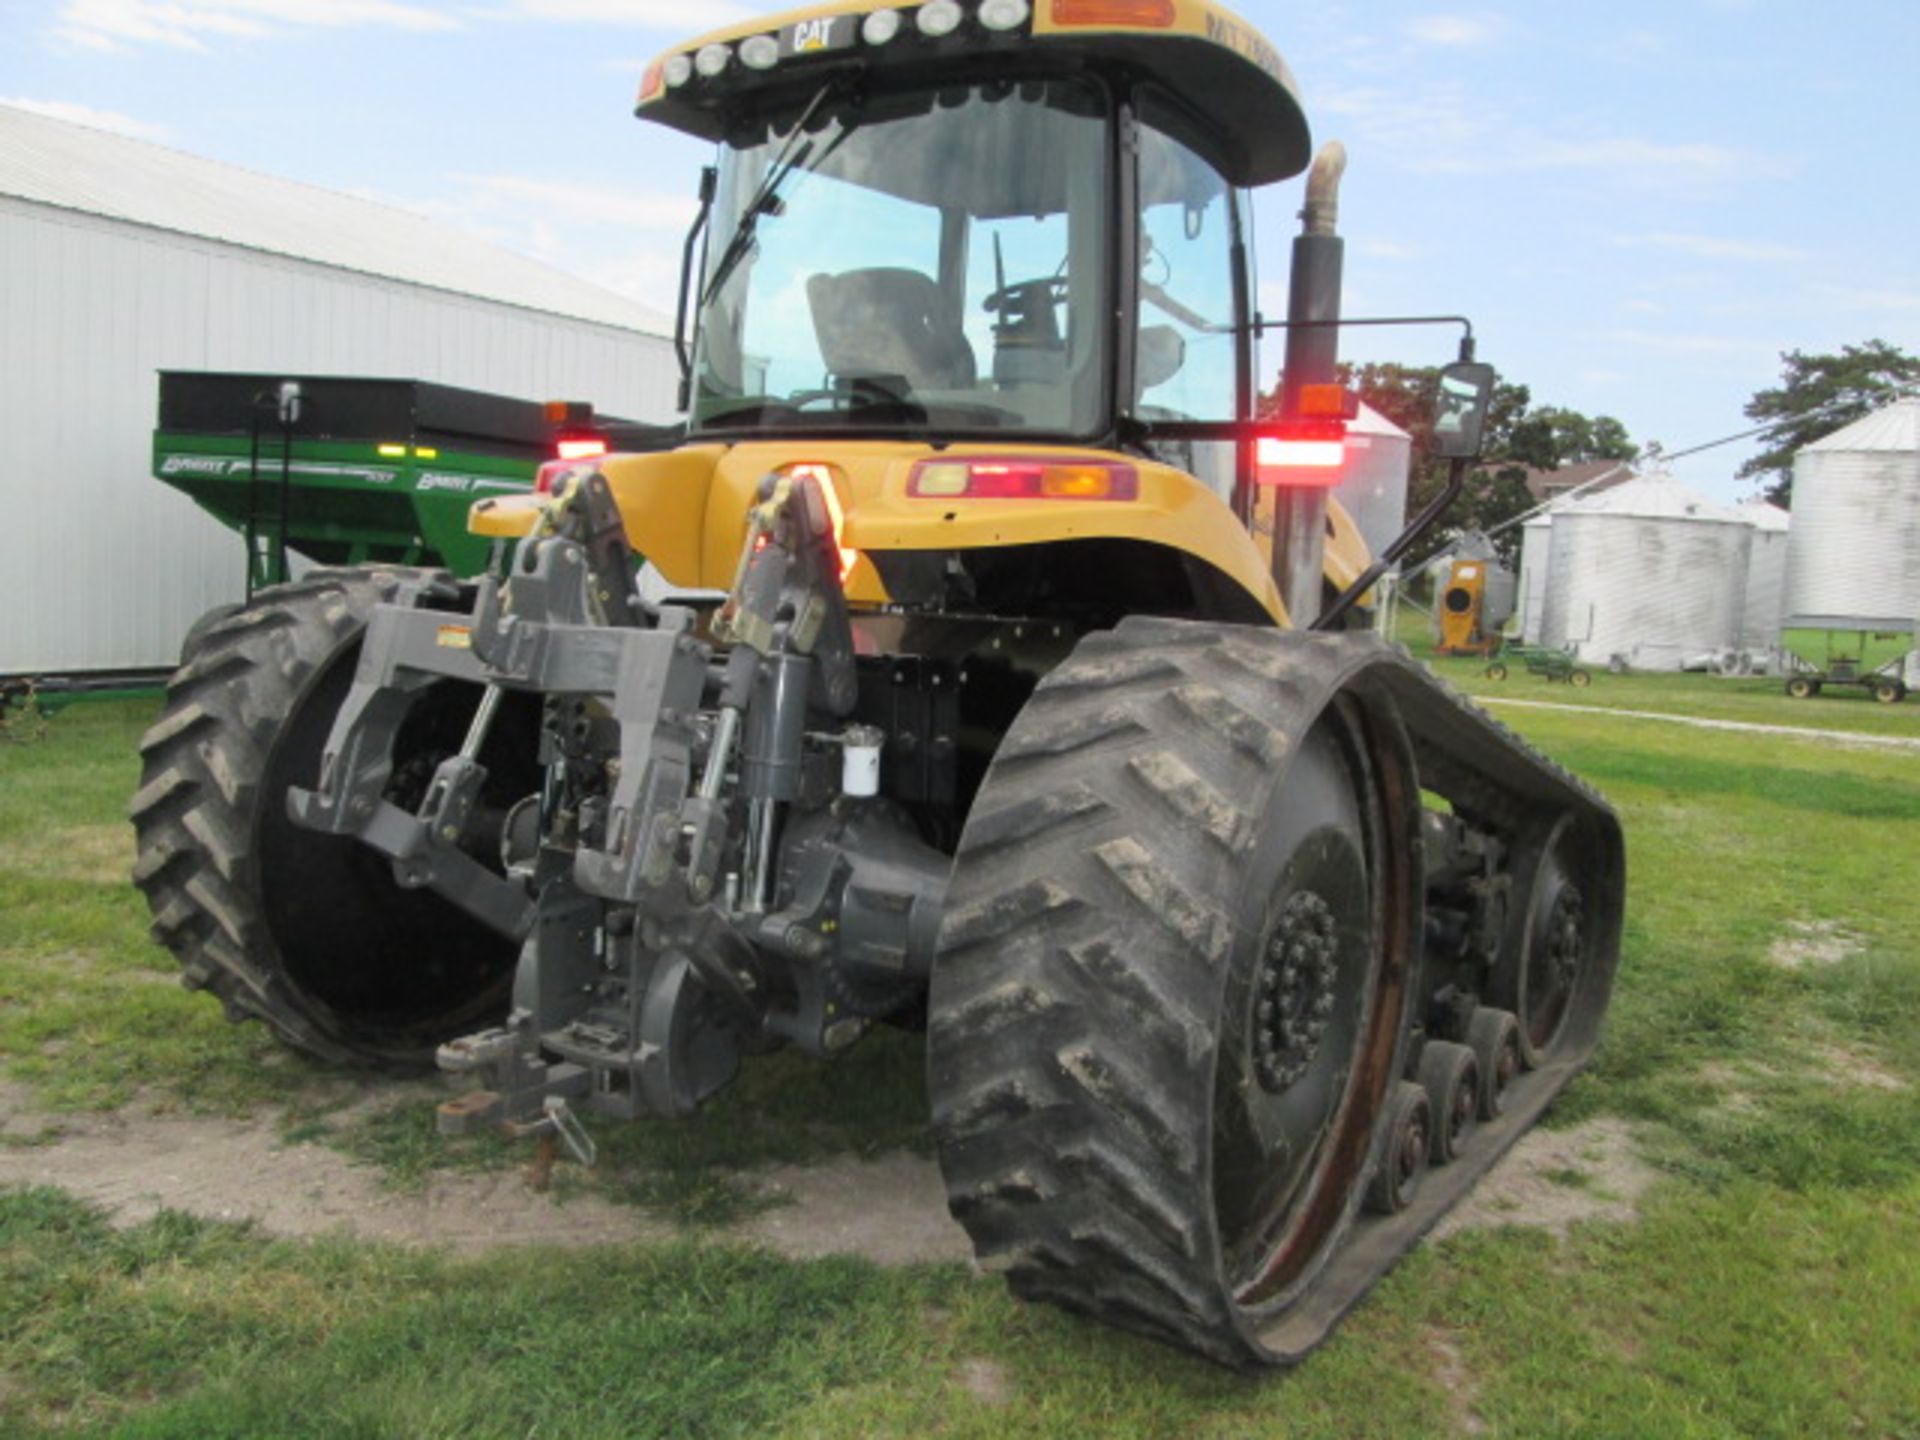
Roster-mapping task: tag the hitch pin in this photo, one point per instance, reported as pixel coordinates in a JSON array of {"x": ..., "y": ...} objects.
[{"x": 564, "y": 1123}]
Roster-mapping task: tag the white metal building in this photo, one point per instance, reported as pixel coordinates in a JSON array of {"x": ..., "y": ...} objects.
[
  {"x": 120, "y": 258},
  {"x": 1649, "y": 572}
]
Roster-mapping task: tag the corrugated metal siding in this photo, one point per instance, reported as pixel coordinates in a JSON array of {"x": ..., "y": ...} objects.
[
  {"x": 106, "y": 567},
  {"x": 1536, "y": 556},
  {"x": 94, "y": 172},
  {"x": 1766, "y": 592},
  {"x": 1655, "y": 591},
  {"x": 1855, "y": 551}
]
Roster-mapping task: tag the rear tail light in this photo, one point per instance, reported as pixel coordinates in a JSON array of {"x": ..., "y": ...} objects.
[
  {"x": 581, "y": 447},
  {"x": 1018, "y": 478},
  {"x": 1310, "y": 453}
]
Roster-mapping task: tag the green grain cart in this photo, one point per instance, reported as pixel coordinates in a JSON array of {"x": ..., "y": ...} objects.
[{"x": 353, "y": 471}]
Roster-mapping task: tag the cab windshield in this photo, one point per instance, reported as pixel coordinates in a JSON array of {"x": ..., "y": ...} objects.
[{"x": 929, "y": 261}]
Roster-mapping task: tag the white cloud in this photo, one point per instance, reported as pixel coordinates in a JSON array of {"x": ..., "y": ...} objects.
[
  {"x": 676, "y": 15},
  {"x": 189, "y": 24},
  {"x": 1388, "y": 250},
  {"x": 1455, "y": 32},
  {"x": 1885, "y": 301},
  {"x": 88, "y": 115},
  {"x": 1709, "y": 247}
]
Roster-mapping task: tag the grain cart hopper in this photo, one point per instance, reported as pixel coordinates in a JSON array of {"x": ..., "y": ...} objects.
[
  {"x": 353, "y": 469},
  {"x": 998, "y": 725}
]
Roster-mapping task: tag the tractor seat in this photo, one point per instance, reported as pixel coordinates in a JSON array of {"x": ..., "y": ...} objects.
[{"x": 889, "y": 322}]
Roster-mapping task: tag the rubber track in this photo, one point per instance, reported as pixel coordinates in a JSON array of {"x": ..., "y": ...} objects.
[
  {"x": 193, "y": 815},
  {"x": 1074, "y": 1012}
]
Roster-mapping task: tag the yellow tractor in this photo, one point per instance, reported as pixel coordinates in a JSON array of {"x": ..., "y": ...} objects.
[{"x": 971, "y": 658}]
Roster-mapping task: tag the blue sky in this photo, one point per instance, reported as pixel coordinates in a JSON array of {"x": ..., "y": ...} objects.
[{"x": 1641, "y": 202}]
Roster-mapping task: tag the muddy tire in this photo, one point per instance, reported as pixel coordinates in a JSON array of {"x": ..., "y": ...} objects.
[
  {"x": 304, "y": 932},
  {"x": 1169, "y": 1004}
]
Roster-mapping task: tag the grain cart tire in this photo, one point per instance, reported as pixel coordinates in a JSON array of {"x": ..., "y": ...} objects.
[
  {"x": 305, "y": 932},
  {"x": 1889, "y": 692},
  {"x": 1169, "y": 1006},
  {"x": 1801, "y": 688}
]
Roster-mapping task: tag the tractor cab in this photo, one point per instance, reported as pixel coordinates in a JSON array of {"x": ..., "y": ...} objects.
[{"x": 987, "y": 223}]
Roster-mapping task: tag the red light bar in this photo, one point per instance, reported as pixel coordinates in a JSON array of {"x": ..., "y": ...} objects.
[
  {"x": 1023, "y": 477},
  {"x": 581, "y": 449},
  {"x": 1310, "y": 455}
]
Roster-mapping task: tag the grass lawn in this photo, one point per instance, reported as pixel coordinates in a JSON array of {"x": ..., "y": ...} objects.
[{"x": 1769, "y": 1287}]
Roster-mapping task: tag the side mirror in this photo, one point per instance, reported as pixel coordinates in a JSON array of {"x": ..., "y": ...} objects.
[{"x": 1460, "y": 410}]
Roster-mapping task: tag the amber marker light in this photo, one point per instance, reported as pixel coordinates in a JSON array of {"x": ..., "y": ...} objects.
[
  {"x": 1148, "y": 14},
  {"x": 1016, "y": 477}
]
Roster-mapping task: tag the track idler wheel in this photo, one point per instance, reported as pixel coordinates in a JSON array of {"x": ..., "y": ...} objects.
[
  {"x": 1450, "y": 1075},
  {"x": 1406, "y": 1149},
  {"x": 1494, "y": 1037}
]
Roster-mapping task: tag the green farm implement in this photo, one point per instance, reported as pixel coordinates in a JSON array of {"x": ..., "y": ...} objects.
[
  {"x": 1868, "y": 653},
  {"x": 1544, "y": 660}
]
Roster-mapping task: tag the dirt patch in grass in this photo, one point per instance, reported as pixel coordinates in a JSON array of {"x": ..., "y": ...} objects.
[
  {"x": 891, "y": 1209},
  {"x": 1554, "y": 1179},
  {"x": 1462, "y": 1391},
  {"x": 1851, "y": 1067},
  {"x": 986, "y": 1382},
  {"x": 1813, "y": 945}
]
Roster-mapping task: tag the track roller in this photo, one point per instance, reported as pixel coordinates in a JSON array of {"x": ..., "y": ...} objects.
[
  {"x": 1450, "y": 1074},
  {"x": 1405, "y": 1149},
  {"x": 1494, "y": 1037}
]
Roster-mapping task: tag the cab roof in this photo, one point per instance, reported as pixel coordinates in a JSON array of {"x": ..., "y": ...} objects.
[{"x": 1217, "y": 64}]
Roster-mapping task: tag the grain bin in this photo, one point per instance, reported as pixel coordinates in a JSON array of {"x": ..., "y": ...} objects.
[
  {"x": 1374, "y": 490},
  {"x": 1648, "y": 574},
  {"x": 1536, "y": 550},
  {"x": 1853, "y": 563},
  {"x": 1761, "y": 613},
  {"x": 1855, "y": 551}
]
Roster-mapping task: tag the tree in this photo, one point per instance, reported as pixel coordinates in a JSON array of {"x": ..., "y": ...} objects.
[
  {"x": 1819, "y": 394},
  {"x": 1518, "y": 438}
]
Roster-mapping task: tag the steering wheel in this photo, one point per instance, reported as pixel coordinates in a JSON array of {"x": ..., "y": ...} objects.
[{"x": 1023, "y": 295}]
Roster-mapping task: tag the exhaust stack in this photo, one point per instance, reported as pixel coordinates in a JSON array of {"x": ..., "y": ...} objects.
[{"x": 1313, "y": 352}]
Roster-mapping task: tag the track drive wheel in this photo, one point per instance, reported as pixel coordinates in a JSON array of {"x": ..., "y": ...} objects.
[
  {"x": 1170, "y": 1000},
  {"x": 308, "y": 932}
]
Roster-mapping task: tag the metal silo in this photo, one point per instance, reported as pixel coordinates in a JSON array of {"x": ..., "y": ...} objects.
[
  {"x": 1648, "y": 573},
  {"x": 1855, "y": 552},
  {"x": 1374, "y": 491},
  {"x": 1536, "y": 549},
  {"x": 1765, "y": 603}
]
